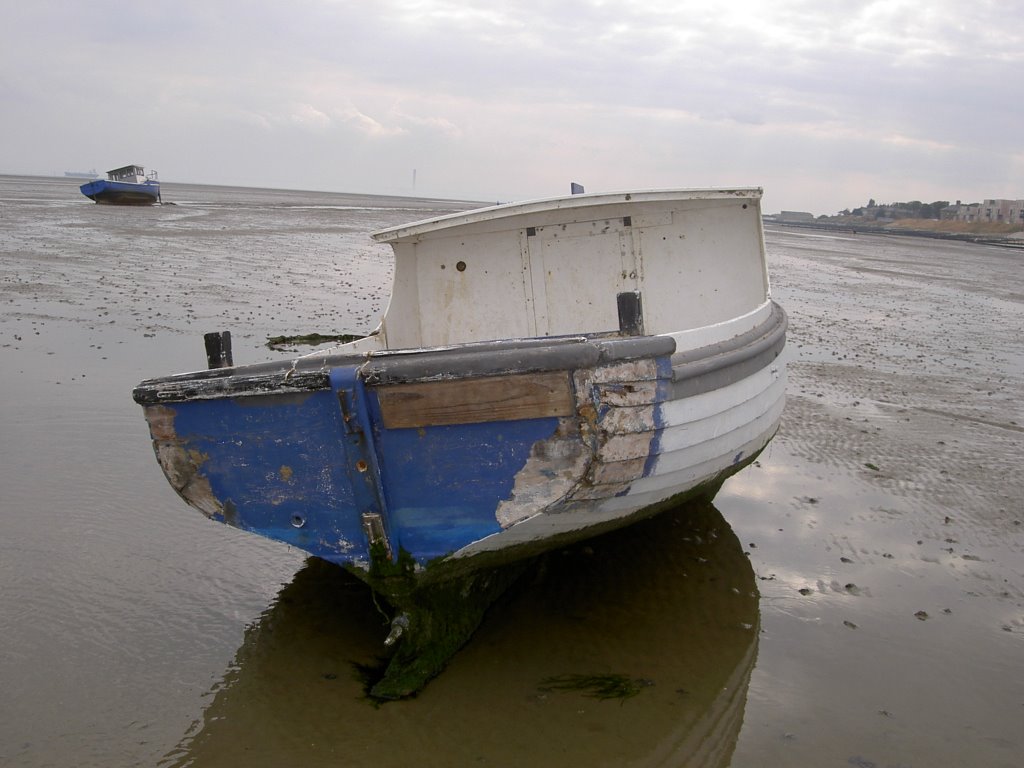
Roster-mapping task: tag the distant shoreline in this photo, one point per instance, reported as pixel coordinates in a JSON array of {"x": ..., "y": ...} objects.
[
  {"x": 288, "y": 190},
  {"x": 1005, "y": 240}
]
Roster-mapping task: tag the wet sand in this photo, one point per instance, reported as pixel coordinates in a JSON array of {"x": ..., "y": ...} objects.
[
  {"x": 888, "y": 515},
  {"x": 854, "y": 598}
]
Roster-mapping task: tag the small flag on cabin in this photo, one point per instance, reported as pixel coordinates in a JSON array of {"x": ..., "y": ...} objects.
[{"x": 576, "y": 189}]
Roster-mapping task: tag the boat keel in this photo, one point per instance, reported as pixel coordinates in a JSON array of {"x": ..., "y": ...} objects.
[{"x": 432, "y": 622}]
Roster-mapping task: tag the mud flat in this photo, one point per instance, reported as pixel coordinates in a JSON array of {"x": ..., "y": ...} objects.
[
  {"x": 886, "y": 523},
  {"x": 854, "y": 598}
]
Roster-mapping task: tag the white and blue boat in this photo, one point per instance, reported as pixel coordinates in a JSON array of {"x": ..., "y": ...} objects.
[
  {"x": 130, "y": 185},
  {"x": 545, "y": 371}
]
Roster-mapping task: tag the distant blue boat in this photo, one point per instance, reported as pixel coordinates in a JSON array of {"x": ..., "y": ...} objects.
[{"x": 129, "y": 185}]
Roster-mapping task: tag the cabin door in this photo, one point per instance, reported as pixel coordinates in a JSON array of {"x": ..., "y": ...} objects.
[{"x": 577, "y": 271}]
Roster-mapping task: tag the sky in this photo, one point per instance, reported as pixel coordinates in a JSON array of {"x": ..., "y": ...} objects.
[{"x": 824, "y": 104}]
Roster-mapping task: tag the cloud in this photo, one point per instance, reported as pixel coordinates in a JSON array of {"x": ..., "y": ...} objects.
[{"x": 366, "y": 124}]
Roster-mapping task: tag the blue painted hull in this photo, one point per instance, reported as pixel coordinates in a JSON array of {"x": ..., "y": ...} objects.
[
  {"x": 342, "y": 460},
  {"x": 307, "y": 469},
  {"x": 121, "y": 192},
  {"x": 320, "y": 470}
]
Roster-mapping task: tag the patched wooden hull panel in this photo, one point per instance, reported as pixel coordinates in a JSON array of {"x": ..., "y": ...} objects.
[{"x": 470, "y": 401}]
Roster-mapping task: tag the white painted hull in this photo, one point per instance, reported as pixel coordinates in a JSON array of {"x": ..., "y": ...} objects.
[{"x": 700, "y": 439}]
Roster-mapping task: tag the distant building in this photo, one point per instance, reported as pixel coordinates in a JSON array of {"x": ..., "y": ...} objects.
[
  {"x": 994, "y": 210},
  {"x": 949, "y": 213},
  {"x": 795, "y": 216}
]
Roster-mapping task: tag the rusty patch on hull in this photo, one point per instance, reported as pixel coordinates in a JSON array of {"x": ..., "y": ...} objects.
[{"x": 180, "y": 465}]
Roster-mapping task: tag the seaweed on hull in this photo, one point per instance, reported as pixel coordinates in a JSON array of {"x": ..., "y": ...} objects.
[
  {"x": 310, "y": 339},
  {"x": 430, "y": 621}
]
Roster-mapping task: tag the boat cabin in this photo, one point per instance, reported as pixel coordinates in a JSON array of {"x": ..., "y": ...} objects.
[
  {"x": 689, "y": 258},
  {"x": 131, "y": 174}
]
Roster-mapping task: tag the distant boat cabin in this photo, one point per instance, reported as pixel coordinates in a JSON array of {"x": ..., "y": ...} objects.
[{"x": 132, "y": 174}]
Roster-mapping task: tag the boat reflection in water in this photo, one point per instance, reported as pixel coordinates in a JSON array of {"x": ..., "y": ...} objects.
[{"x": 668, "y": 607}]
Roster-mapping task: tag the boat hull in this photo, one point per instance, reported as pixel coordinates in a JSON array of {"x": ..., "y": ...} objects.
[
  {"x": 471, "y": 455},
  {"x": 122, "y": 193}
]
